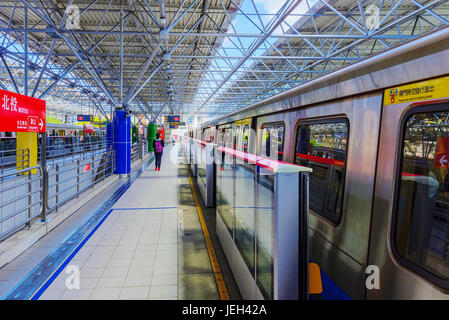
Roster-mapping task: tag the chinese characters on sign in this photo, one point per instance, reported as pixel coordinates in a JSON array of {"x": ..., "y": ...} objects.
[
  {"x": 419, "y": 91},
  {"x": 21, "y": 113}
]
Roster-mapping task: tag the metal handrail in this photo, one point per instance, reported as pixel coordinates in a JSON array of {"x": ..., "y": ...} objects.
[
  {"x": 20, "y": 172},
  {"x": 79, "y": 181},
  {"x": 23, "y": 154},
  {"x": 20, "y": 208}
]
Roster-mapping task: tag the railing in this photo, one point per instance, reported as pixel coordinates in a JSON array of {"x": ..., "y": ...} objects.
[
  {"x": 28, "y": 193},
  {"x": 145, "y": 147},
  {"x": 138, "y": 150},
  {"x": 59, "y": 149},
  {"x": 14, "y": 159},
  {"x": 69, "y": 178},
  {"x": 20, "y": 199}
]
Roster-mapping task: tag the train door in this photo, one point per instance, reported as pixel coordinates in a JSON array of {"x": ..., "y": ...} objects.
[
  {"x": 339, "y": 140},
  {"x": 410, "y": 233}
]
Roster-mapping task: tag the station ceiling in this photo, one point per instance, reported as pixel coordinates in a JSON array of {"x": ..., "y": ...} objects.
[{"x": 207, "y": 57}]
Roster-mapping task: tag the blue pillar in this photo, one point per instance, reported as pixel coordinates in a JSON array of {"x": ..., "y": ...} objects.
[{"x": 122, "y": 143}]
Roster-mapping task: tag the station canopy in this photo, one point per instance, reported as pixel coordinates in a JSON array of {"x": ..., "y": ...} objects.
[{"x": 207, "y": 57}]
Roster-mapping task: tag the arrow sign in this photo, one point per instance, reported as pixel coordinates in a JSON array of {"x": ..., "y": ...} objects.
[
  {"x": 441, "y": 160},
  {"x": 41, "y": 124}
]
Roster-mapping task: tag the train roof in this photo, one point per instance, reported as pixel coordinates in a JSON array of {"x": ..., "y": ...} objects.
[{"x": 418, "y": 59}]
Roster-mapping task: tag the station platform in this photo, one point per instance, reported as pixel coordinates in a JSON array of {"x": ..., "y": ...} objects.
[{"x": 138, "y": 239}]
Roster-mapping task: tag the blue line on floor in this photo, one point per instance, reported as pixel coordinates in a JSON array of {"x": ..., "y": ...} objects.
[
  {"x": 68, "y": 259},
  {"x": 31, "y": 283},
  {"x": 243, "y": 207},
  {"x": 154, "y": 208}
]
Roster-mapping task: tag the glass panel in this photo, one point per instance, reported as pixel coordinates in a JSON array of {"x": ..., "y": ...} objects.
[
  {"x": 322, "y": 146},
  {"x": 244, "y": 212},
  {"x": 225, "y": 184},
  {"x": 422, "y": 221},
  {"x": 201, "y": 167},
  {"x": 265, "y": 233},
  {"x": 272, "y": 146},
  {"x": 244, "y": 209}
]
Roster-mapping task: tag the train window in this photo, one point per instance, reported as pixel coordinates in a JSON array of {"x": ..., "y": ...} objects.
[
  {"x": 421, "y": 223},
  {"x": 245, "y": 138},
  {"x": 237, "y": 133},
  {"x": 273, "y": 141},
  {"x": 228, "y": 138},
  {"x": 322, "y": 146}
]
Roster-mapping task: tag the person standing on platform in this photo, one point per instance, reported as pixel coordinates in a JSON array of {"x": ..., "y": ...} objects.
[{"x": 158, "y": 145}]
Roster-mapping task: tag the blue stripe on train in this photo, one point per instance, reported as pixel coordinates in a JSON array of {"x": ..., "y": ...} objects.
[{"x": 331, "y": 291}]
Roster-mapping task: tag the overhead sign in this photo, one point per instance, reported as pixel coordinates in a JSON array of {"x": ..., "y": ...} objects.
[
  {"x": 172, "y": 118},
  {"x": 19, "y": 113},
  {"x": 418, "y": 91},
  {"x": 173, "y": 126},
  {"x": 85, "y": 117},
  {"x": 177, "y": 123}
]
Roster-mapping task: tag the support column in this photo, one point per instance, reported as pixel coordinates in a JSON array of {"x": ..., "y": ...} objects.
[
  {"x": 151, "y": 135},
  {"x": 122, "y": 143},
  {"x": 26, "y": 159}
]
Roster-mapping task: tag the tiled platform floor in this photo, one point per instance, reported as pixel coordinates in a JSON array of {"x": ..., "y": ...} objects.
[{"x": 133, "y": 254}]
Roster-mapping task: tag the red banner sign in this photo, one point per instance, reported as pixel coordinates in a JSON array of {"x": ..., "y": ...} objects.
[{"x": 19, "y": 113}]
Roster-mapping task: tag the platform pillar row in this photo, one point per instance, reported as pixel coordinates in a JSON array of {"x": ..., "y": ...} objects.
[{"x": 151, "y": 135}]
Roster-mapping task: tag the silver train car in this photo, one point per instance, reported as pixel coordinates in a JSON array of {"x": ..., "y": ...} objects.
[{"x": 376, "y": 134}]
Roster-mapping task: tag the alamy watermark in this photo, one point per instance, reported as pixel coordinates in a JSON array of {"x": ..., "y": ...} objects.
[
  {"x": 372, "y": 17},
  {"x": 373, "y": 277},
  {"x": 73, "y": 17},
  {"x": 73, "y": 280}
]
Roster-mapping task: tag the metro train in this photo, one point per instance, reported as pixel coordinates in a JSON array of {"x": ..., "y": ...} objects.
[{"x": 376, "y": 134}]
